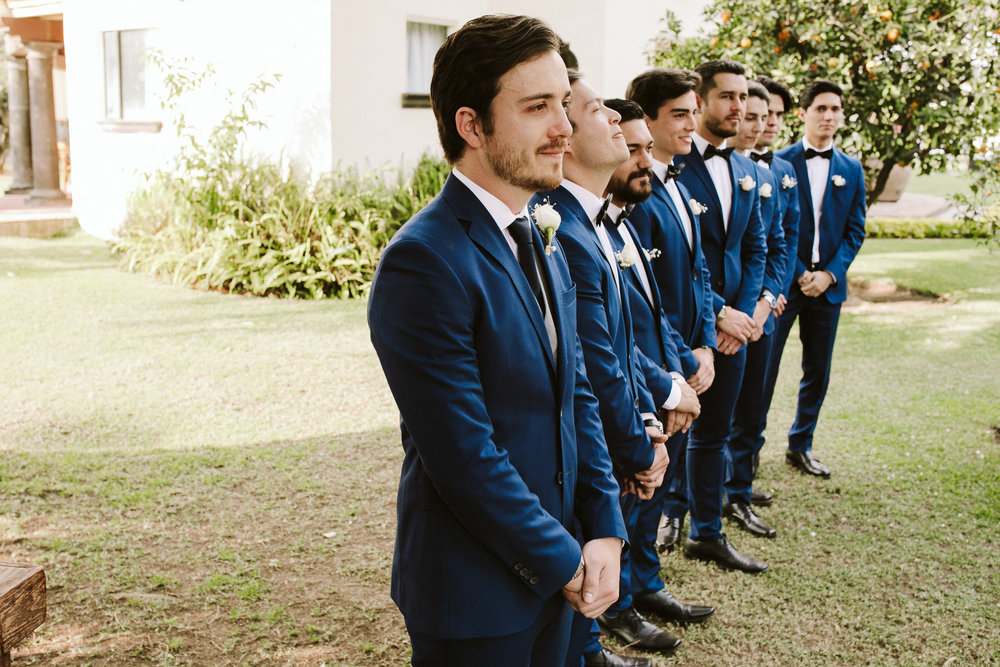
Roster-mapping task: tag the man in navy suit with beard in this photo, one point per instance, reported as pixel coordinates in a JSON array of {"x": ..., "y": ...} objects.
[
  {"x": 507, "y": 511},
  {"x": 725, "y": 185},
  {"x": 831, "y": 190}
]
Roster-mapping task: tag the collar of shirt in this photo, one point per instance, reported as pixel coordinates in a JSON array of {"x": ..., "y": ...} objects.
[
  {"x": 660, "y": 169},
  {"x": 614, "y": 212},
  {"x": 806, "y": 146},
  {"x": 590, "y": 202},
  {"x": 701, "y": 143},
  {"x": 499, "y": 211}
]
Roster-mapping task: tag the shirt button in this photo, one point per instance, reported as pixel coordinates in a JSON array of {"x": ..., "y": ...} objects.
[{"x": 559, "y": 478}]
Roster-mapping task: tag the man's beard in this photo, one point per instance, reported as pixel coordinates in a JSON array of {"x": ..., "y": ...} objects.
[
  {"x": 633, "y": 190},
  {"x": 718, "y": 130},
  {"x": 513, "y": 164}
]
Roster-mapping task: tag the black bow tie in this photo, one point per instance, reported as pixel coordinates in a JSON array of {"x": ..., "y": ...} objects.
[
  {"x": 762, "y": 157},
  {"x": 673, "y": 172},
  {"x": 826, "y": 155},
  {"x": 711, "y": 151},
  {"x": 603, "y": 214},
  {"x": 625, "y": 213}
]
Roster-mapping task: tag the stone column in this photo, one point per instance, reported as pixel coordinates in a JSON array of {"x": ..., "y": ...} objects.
[
  {"x": 20, "y": 124},
  {"x": 44, "y": 152}
]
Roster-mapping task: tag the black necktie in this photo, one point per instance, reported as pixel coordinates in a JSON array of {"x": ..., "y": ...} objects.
[
  {"x": 673, "y": 172},
  {"x": 826, "y": 155},
  {"x": 767, "y": 157},
  {"x": 520, "y": 229},
  {"x": 711, "y": 151}
]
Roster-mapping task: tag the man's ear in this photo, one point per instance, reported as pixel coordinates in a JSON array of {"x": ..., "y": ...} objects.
[
  {"x": 801, "y": 113},
  {"x": 697, "y": 99},
  {"x": 469, "y": 127}
]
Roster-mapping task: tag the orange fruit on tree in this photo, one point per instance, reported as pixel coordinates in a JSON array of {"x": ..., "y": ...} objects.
[
  {"x": 892, "y": 35},
  {"x": 745, "y": 43},
  {"x": 935, "y": 15},
  {"x": 714, "y": 42},
  {"x": 870, "y": 65},
  {"x": 777, "y": 49},
  {"x": 783, "y": 35},
  {"x": 886, "y": 15},
  {"x": 725, "y": 16},
  {"x": 833, "y": 62},
  {"x": 817, "y": 38}
]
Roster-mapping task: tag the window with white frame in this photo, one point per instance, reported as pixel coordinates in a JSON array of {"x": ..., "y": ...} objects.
[
  {"x": 422, "y": 42},
  {"x": 127, "y": 94}
]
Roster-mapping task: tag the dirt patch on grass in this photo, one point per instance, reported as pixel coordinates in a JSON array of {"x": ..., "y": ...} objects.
[{"x": 865, "y": 296}]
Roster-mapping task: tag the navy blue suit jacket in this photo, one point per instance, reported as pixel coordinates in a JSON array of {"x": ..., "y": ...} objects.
[
  {"x": 605, "y": 330},
  {"x": 680, "y": 271},
  {"x": 655, "y": 338},
  {"x": 842, "y": 223},
  {"x": 735, "y": 256},
  {"x": 772, "y": 213},
  {"x": 788, "y": 188},
  {"x": 505, "y": 468}
]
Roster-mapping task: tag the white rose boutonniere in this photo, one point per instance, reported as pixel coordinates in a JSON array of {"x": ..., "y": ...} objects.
[
  {"x": 626, "y": 257},
  {"x": 788, "y": 182},
  {"x": 839, "y": 181},
  {"x": 697, "y": 207},
  {"x": 547, "y": 218},
  {"x": 765, "y": 190},
  {"x": 651, "y": 254},
  {"x": 747, "y": 183}
]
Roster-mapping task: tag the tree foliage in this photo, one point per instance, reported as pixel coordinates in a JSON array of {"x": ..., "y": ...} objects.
[{"x": 921, "y": 77}]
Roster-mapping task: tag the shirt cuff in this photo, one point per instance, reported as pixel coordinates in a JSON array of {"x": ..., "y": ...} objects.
[{"x": 674, "y": 399}]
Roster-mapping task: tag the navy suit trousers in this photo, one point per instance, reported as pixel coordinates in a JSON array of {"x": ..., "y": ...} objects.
[
  {"x": 818, "y": 320},
  {"x": 707, "y": 442},
  {"x": 749, "y": 420}
]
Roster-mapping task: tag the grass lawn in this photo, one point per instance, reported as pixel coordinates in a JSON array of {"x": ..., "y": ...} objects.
[
  {"x": 942, "y": 184},
  {"x": 210, "y": 479}
]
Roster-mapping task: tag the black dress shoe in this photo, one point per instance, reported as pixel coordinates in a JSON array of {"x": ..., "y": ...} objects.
[
  {"x": 761, "y": 498},
  {"x": 805, "y": 462},
  {"x": 722, "y": 552},
  {"x": 631, "y": 628},
  {"x": 668, "y": 535},
  {"x": 605, "y": 658},
  {"x": 664, "y": 605},
  {"x": 741, "y": 512}
]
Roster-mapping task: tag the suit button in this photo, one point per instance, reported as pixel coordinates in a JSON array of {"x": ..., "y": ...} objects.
[
  {"x": 637, "y": 402},
  {"x": 533, "y": 581},
  {"x": 718, "y": 283},
  {"x": 518, "y": 567},
  {"x": 559, "y": 478}
]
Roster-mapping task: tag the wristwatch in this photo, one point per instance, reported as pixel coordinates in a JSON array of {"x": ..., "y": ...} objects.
[
  {"x": 770, "y": 299},
  {"x": 653, "y": 422},
  {"x": 722, "y": 313}
]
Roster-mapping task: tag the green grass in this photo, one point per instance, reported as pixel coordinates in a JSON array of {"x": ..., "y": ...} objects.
[
  {"x": 942, "y": 184},
  {"x": 209, "y": 479}
]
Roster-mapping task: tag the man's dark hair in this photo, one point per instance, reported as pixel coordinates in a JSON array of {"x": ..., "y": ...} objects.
[
  {"x": 470, "y": 63},
  {"x": 708, "y": 70},
  {"x": 572, "y": 63},
  {"x": 757, "y": 89},
  {"x": 654, "y": 88},
  {"x": 627, "y": 109},
  {"x": 818, "y": 87},
  {"x": 779, "y": 89}
]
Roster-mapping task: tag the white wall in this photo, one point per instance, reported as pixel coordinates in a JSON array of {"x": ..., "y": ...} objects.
[{"x": 241, "y": 40}]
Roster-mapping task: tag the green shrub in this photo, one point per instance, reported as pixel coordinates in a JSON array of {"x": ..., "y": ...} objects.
[
  {"x": 223, "y": 220},
  {"x": 924, "y": 228}
]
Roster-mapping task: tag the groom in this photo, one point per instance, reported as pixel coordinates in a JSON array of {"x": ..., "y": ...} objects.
[{"x": 507, "y": 510}]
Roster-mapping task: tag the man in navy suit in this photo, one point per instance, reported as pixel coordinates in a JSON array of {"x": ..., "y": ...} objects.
[
  {"x": 614, "y": 365},
  {"x": 666, "y": 224},
  {"x": 831, "y": 231},
  {"x": 507, "y": 510},
  {"x": 657, "y": 341},
  {"x": 725, "y": 185},
  {"x": 743, "y": 444},
  {"x": 751, "y": 415}
]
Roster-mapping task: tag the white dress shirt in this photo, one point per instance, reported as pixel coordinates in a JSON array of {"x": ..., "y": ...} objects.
[
  {"x": 718, "y": 169},
  {"x": 660, "y": 171},
  {"x": 819, "y": 176},
  {"x": 592, "y": 204}
]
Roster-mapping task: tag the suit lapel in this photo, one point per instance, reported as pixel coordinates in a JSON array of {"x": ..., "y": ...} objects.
[
  {"x": 485, "y": 233},
  {"x": 696, "y": 163},
  {"x": 660, "y": 190}
]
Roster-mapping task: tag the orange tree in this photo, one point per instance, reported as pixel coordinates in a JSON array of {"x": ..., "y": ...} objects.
[{"x": 921, "y": 77}]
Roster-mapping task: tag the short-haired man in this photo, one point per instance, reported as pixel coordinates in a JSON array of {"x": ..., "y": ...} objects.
[
  {"x": 725, "y": 185},
  {"x": 667, "y": 225},
  {"x": 505, "y": 471},
  {"x": 831, "y": 189},
  {"x": 613, "y": 362},
  {"x": 742, "y": 449},
  {"x": 750, "y": 418},
  {"x": 658, "y": 341}
]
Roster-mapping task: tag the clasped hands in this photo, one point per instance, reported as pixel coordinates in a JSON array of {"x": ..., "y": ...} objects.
[
  {"x": 733, "y": 331},
  {"x": 814, "y": 283},
  {"x": 594, "y": 587}
]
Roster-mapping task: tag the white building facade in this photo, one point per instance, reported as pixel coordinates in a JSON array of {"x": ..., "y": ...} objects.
[{"x": 352, "y": 86}]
